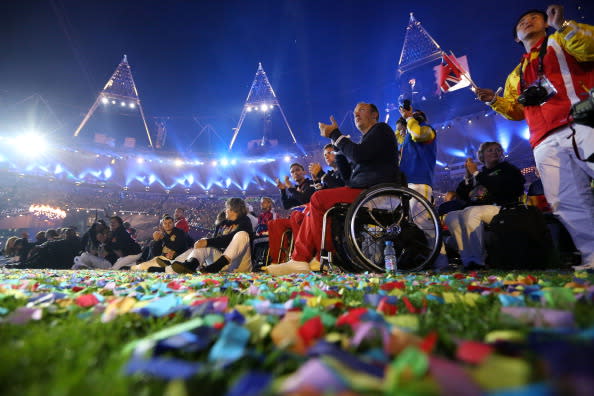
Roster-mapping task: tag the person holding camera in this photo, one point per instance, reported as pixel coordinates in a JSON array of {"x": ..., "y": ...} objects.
[{"x": 555, "y": 73}]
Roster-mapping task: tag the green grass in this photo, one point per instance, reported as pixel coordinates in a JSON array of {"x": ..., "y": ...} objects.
[{"x": 72, "y": 352}]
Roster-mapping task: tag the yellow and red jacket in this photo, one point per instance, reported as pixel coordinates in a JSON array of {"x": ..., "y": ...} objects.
[{"x": 568, "y": 65}]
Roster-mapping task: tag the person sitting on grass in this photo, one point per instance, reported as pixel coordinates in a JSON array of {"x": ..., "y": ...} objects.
[
  {"x": 228, "y": 252},
  {"x": 121, "y": 245}
]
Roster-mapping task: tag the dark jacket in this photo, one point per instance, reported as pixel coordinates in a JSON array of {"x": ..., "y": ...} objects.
[
  {"x": 223, "y": 240},
  {"x": 296, "y": 196},
  {"x": 122, "y": 241},
  {"x": 330, "y": 179},
  {"x": 372, "y": 161},
  {"x": 504, "y": 183},
  {"x": 176, "y": 241}
]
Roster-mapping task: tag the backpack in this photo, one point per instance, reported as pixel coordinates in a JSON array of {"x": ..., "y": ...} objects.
[{"x": 518, "y": 238}]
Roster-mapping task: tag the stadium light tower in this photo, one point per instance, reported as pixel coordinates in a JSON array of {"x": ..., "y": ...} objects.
[
  {"x": 261, "y": 99},
  {"x": 120, "y": 90}
]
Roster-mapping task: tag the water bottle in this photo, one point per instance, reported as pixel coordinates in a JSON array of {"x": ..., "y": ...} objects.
[{"x": 391, "y": 264}]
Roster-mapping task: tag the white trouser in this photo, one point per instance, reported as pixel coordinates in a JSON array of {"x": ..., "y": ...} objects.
[
  {"x": 467, "y": 227},
  {"x": 419, "y": 213},
  {"x": 566, "y": 182},
  {"x": 238, "y": 252},
  {"x": 89, "y": 261},
  {"x": 126, "y": 261},
  {"x": 153, "y": 262}
]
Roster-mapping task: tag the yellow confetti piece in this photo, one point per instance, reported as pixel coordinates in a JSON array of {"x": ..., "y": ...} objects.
[
  {"x": 396, "y": 292},
  {"x": 471, "y": 298},
  {"x": 407, "y": 321},
  {"x": 504, "y": 335},
  {"x": 499, "y": 372},
  {"x": 244, "y": 309},
  {"x": 258, "y": 327},
  {"x": 449, "y": 298}
]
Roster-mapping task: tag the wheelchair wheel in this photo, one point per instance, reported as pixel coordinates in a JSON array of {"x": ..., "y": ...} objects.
[{"x": 388, "y": 212}]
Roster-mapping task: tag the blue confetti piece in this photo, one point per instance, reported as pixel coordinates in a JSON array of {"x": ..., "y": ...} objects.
[
  {"x": 235, "y": 316},
  {"x": 162, "y": 306},
  {"x": 166, "y": 368},
  {"x": 529, "y": 390},
  {"x": 511, "y": 301},
  {"x": 253, "y": 383},
  {"x": 231, "y": 344}
]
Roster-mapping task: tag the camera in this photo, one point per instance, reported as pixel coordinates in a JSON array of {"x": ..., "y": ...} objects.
[
  {"x": 583, "y": 112},
  {"x": 537, "y": 93}
]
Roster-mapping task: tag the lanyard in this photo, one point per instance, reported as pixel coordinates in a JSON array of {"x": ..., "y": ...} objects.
[{"x": 541, "y": 54}]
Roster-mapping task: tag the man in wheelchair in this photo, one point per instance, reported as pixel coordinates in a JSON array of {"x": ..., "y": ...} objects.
[{"x": 372, "y": 161}]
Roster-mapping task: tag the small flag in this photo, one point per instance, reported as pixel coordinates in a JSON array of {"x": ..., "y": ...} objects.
[{"x": 452, "y": 74}]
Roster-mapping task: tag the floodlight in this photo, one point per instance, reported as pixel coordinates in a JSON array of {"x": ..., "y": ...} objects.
[
  {"x": 249, "y": 108},
  {"x": 139, "y": 160},
  {"x": 104, "y": 100},
  {"x": 287, "y": 158},
  {"x": 179, "y": 162},
  {"x": 264, "y": 107},
  {"x": 132, "y": 105},
  {"x": 123, "y": 104},
  {"x": 224, "y": 162},
  {"x": 113, "y": 102}
]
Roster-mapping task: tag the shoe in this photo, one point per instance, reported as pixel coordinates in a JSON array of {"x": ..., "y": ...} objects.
[
  {"x": 472, "y": 266},
  {"x": 215, "y": 267},
  {"x": 156, "y": 269},
  {"x": 290, "y": 267},
  {"x": 584, "y": 267},
  {"x": 162, "y": 262},
  {"x": 187, "y": 267}
]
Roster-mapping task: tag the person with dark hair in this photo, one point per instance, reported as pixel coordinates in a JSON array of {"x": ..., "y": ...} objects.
[
  {"x": 331, "y": 178},
  {"x": 484, "y": 191},
  {"x": 227, "y": 252},
  {"x": 372, "y": 161},
  {"x": 168, "y": 242},
  {"x": 294, "y": 198},
  {"x": 94, "y": 243},
  {"x": 418, "y": 151},
  {"x": 40, "y": 238},
  {"x": 123, "y": 250},
  {"x": 180, "y": 220},
  {"x": 299, "y": 194},
  {"x": 555, "y": 73}
]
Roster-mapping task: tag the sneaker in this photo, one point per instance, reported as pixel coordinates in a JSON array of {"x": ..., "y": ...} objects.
[
  {"x": 584, "y": 267},
  {"x": 290, "y": 267},
  {"x": 187, "y": 267}
]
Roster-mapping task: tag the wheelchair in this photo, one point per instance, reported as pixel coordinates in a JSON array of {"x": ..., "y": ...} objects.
[{"x": 385, "y": 212}]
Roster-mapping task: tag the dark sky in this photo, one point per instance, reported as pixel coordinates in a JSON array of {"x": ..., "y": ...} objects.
[{"x": 198, "y": 58}]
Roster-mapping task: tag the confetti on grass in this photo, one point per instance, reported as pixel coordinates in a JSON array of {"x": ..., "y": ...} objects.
[{"x": 498, "y": 334}]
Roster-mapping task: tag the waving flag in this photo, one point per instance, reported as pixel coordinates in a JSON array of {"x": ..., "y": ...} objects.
[{"x": 452, "y": 74}]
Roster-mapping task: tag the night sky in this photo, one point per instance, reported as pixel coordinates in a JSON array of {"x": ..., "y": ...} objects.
[{"x": 198, "y": 58}]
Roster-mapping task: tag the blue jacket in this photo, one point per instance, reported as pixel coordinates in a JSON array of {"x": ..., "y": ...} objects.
[{"x": 419, "y": 155}]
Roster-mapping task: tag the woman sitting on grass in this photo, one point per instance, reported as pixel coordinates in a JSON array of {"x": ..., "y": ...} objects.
[{"x": 229, "y": 251}]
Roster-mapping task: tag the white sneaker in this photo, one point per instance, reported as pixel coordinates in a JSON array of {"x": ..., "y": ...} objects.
[
  {"x": 583, "y": 267},
  {"x": 290, "y": 267}
]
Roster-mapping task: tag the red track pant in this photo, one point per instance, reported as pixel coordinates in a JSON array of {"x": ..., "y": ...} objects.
[
  {"x": 276, "y": 229},
  {"x": 309, "y": 238}
]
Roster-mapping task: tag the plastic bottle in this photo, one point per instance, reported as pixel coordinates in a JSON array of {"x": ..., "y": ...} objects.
[{"x": 391, "y": 264}]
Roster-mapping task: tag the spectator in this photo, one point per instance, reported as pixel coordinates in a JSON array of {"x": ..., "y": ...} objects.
[
  {"x": 496, "y": 184},
  {"x": 372, "y": 161},
  {"x": 123, "y": 250},
  {"x": 180, "y": 220},
  {"x": 228, "y": 252},
  {"x": 555, "y": 73}
]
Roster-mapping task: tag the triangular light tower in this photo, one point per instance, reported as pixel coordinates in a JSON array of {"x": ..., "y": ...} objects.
[
  {"x": 419, "y": 47},
  {"x": 119, "y": 90},
  {"x": 261, "y": 98}
]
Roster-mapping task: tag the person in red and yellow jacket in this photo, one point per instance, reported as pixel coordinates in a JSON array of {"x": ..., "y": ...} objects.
[{"x": 555, "y": 72}]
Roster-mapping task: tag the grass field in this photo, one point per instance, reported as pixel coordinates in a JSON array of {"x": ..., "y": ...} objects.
[{"x": 116, "y": 333}]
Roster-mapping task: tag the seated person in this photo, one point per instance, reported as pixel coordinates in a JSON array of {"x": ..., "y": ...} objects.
[
  {"x": 94, "y": 245},
  {"x": 332, "y": 178},
  {"x": 168, "y": 242},
  {"x": 267, "y": 214},
  {"x": 496, "y": 184},
  {"x": 123, "y": 250},
  {"x": 229, "y": 251},
  {"x": 292, "y": 197},
  {"x": 372, "y": 161}
]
